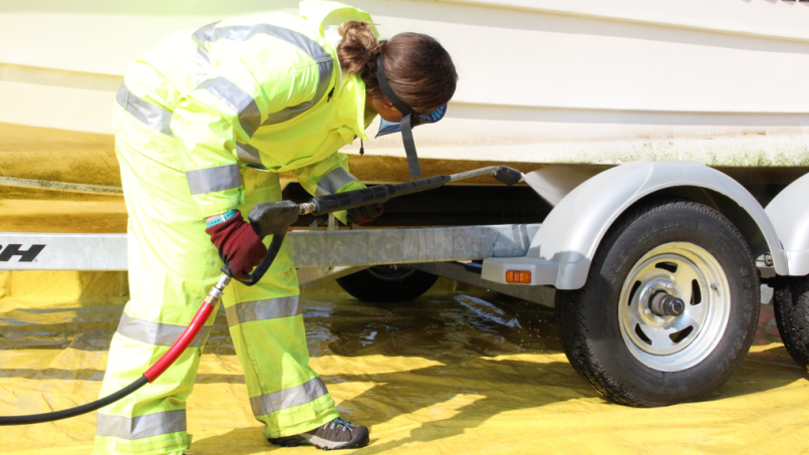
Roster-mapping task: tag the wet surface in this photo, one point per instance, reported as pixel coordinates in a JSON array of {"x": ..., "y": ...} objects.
[
  {"x": 437, "y": 326},
  {"x": 460, "y": 370},
  {"x": 446, "y": 325}
]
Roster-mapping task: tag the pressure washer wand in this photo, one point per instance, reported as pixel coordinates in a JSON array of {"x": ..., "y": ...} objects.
[
  {"x": 274, "y": 218},
  {"x": 322, "y": 205}
]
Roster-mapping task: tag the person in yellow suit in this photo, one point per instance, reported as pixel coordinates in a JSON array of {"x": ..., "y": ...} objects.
[{"x": 204, "y": 122}]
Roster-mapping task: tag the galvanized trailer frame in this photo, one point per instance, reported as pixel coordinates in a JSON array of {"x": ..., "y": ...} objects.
[{"x": 319, "y": 255}]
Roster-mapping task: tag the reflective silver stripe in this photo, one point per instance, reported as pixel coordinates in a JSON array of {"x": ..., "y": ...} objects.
[
  {"x": 333, "y": 181},
  {"x": 203, "y": 64},
  {"x": 259, "y": 310},
  {"x": 324, "y": 69},
  {"x": 202, "y": 36},
  {"x": 220, "y": 178},
  {"x": 141, "y": 426},
  {"x": 325, "y": 62},
  {"x": 288, "y": 398},
  {"x": 156, "y": 333},
  {"x": 152, "y": 115},
  {"x": 248, "y": 154},
  {"x": 238, "y": 100}
]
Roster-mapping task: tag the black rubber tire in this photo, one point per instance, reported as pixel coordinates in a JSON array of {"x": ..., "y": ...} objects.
[
  {"x": 588, "y": 318},
  {"x": 387, "y": 284},
  {"x": 792, "y": 316}
]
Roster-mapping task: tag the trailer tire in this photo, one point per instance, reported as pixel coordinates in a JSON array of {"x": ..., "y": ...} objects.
[
  {"x": 792, "y": 316},
  {"x": 387, "y": 284},
  {"x": 638, "y": 357}
]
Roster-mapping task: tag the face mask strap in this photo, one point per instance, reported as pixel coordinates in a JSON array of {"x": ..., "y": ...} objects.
[
  {"x": 407, "y": 113},
  {"x": 410, "y": 147}
]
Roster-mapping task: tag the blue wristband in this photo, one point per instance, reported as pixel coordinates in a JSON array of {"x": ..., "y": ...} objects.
[{"x": 221, "y": 218}]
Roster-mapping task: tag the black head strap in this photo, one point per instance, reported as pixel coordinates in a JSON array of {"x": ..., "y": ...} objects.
[
  {"x": 406, "y": 123},
  {"x": 383, "y": 84}
]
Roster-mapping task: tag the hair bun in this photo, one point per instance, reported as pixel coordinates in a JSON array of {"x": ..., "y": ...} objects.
[{"x": 359, "y": 48}]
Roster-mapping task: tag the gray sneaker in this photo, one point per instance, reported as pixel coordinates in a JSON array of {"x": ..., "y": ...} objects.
[{"x": 337, "y": 434}]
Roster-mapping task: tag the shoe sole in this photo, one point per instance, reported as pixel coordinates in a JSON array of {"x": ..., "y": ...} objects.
[{"x": 360, "y": 439}]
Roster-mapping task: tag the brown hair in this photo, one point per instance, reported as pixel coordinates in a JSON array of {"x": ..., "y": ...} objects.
[{"x": 419, "y": 70}]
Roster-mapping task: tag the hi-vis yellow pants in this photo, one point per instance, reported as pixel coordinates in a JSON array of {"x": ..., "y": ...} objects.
[{"x": 172, "y": 266}]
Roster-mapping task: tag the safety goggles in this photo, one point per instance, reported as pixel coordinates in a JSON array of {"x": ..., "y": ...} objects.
[
  {"x": 410, "y": 119},
  {"x": 386, "y": 127}
]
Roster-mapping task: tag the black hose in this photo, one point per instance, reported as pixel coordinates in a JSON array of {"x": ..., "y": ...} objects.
[
  {"x": 250, "y": 279},
  {"x": 78, "y": 410}
]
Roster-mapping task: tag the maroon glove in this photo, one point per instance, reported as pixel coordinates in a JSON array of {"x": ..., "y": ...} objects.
[
  {"x": 239, "y": 245},
  {"x": 364, "y": 214}
]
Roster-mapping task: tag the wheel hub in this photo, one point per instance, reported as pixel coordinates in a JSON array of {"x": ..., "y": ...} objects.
[
  {"x": 674, "y": 306},
  {"x": 663, "y": 304}
]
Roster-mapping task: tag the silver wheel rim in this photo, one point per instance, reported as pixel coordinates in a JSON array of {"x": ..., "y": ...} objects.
[{"x": 674, "y": 343}]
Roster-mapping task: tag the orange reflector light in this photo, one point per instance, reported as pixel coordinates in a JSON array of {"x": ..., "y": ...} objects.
[{"x": 518, "y": 276}]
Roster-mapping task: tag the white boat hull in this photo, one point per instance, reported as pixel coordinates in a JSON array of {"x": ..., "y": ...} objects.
[{"x": 541, "y": 81}]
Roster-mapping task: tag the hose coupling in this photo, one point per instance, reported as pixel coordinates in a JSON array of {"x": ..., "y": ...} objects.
[
  {"x": 307, "y": 207},
  {"x": 215, "y": 294}
]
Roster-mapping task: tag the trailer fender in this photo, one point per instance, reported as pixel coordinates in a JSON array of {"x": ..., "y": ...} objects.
[
  {"x": 789, "y": 213},
  {"x": 567, "y": 241}
]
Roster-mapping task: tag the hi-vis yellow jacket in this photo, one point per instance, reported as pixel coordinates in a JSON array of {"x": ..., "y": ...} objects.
[{"x": 264, "y": 90}]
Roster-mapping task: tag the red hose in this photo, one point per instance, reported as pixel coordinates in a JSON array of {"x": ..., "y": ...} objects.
[{"x": 183, "y": 342}]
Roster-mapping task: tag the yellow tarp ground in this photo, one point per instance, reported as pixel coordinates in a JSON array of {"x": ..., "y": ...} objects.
[{"x": 458, "y": 371}]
